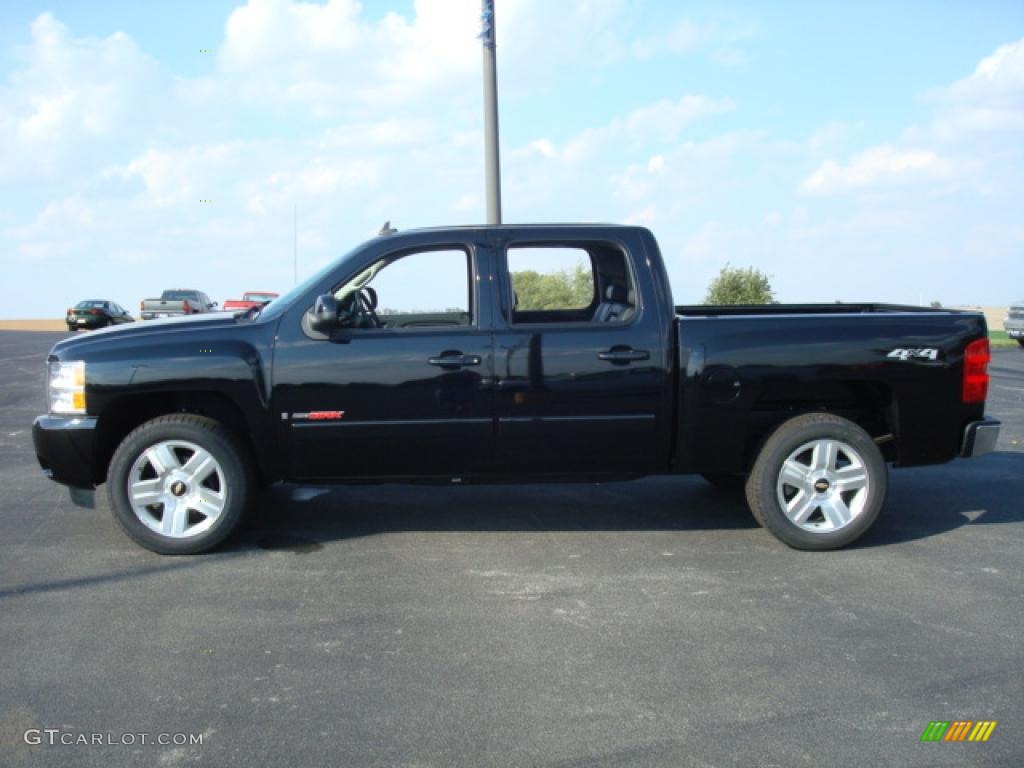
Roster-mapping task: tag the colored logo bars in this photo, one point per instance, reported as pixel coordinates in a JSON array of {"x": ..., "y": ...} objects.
[{"x": 958, "y": 730}]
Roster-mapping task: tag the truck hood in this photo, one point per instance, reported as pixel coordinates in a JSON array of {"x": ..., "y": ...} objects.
[{"x": 188, "y": 324}]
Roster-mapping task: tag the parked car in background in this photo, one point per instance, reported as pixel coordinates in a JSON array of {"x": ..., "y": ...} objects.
[
  {"x": 1014, "y": 322},
  {"x": 249, "y": 300},
  {"x": 175, "y": 303},
  {"x": 96, "y": 313}
]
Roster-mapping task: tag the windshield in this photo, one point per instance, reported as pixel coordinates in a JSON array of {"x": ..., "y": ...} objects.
[{"x": 279, "y": 305}]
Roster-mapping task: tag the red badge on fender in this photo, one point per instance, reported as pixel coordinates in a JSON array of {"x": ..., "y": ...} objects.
[{"x": 326, "y": 415}]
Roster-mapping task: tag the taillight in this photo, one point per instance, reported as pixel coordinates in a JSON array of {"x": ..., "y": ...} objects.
[
  {"x": 976, "y": 360},
  {"x": 142, "y": 305},
  {"x": 186, "y": 306},
  {"x": 70, "y": 310}
]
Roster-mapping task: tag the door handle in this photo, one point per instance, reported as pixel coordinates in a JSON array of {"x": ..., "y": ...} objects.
[
  {"x": 623, "y": 355},
  {"x": 453, "y": 360}
]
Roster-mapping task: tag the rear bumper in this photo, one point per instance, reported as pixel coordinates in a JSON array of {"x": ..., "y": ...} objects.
[
  {"x": 90, "y": 322},
  {"x": 980, "y": 438},
  {"x": 64, "y": 447}
]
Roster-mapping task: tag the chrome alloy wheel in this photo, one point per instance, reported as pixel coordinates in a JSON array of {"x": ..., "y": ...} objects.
[
  {"x": 823, "y": 486},
  {"x": 177, "y": 489}
]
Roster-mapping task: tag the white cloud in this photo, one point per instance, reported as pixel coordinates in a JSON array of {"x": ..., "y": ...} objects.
[
  {"x": 273, "y": 31},
  {"x": 356, "y": 116},
  {"x": 70, "y": 97},
  {"x": 881, "y": 165},
  {"x": 686, "y": 36},
  {"x": 388, "y": 132},
  {"x": 468, "y": 203},
  {"x": 661, "y": 122},
  {"x": 665, "y": 119},
  {"x": 990, "y": 99},
  {"x": 324, "y": 57},
  {"x": 645, "y": 216}
]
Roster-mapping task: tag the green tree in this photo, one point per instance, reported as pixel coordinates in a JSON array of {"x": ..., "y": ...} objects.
[
  {"x": 740, "y": 286},
  {"x": 564, "y": 289}
]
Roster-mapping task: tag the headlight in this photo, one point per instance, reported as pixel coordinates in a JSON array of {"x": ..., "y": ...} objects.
[{"x": 66, "y": 387}]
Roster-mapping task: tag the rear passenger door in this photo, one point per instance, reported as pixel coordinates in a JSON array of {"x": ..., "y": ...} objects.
[{"x": 580, "y": 371}]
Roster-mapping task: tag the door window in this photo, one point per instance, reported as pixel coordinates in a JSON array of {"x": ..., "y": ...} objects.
[{"x": 423, "y": 289}]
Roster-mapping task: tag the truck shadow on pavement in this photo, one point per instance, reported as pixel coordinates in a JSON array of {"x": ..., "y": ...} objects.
[
  {"x": 922, "y": 502},
  {"x": 298, "y": 518},
  {"x": 928, "y": 501}
]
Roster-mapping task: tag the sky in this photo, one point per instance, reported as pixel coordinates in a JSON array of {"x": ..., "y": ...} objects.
[{"x": 852, "y": 151}]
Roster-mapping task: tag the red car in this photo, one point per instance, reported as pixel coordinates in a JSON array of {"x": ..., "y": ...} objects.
[{"x": 249, "y": 300}]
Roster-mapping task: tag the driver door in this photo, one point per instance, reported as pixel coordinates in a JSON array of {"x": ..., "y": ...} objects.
[{"x": 403, "y": 390}]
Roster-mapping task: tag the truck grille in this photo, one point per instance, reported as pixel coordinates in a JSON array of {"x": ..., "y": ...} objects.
[{"x": 1017, "y": 313}]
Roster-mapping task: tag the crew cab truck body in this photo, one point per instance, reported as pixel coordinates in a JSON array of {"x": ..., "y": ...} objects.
[
  {"x": 422, "y": 356},
  {"x": 175, "y": 303}
]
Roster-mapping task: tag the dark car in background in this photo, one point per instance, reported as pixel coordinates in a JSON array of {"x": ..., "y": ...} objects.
[
  {"x": 96, "y": 313},
  {"x": 1014, "y": 322}
]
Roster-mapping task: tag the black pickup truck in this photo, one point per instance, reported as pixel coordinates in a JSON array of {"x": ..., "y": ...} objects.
[{"x": 439, "y": 355}]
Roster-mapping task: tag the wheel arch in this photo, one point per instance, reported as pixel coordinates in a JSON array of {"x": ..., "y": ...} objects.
[
  {"x": 126, "y": 413},
  {"x": 870, "y": 405}
]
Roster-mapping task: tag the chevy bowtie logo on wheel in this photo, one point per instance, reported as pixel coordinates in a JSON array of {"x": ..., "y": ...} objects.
[{"x": 958, "y": 730}]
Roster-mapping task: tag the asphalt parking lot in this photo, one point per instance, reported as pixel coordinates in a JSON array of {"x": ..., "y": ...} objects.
[{"x": 648, "y": 623}]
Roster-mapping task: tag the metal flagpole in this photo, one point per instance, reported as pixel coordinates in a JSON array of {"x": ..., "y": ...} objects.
[{"x": 492, "y": 167}]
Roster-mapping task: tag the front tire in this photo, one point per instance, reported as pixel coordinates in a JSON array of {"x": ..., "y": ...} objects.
[
  {"x": 819, "y": 482},
  {"x": 179, "y": 484}
]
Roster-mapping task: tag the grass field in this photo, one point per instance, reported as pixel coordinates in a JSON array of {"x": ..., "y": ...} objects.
[{"x": 1000, "y": 339}]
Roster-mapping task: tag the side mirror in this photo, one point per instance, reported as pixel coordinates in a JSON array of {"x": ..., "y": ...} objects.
[
  {"x": 325, "y": 314},
  {"x": 213, "y": 303}
]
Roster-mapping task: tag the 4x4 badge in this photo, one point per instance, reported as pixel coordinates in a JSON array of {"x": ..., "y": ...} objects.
[{"x": 925, "y": 353}]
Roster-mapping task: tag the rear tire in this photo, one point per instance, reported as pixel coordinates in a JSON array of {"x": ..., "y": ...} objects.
[
  {"x": 1021, "y": 342},
  {"x": 179, "y": 484},
  {"x": 819, "y": 482}
]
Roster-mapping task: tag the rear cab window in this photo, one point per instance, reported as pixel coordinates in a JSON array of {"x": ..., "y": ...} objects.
[{"x": 570, "y": 283}]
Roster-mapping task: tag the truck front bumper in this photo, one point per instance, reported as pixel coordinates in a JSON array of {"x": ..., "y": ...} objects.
[
  {"x": 980, "y": 438},
  {"x": 64, "y": 447}
]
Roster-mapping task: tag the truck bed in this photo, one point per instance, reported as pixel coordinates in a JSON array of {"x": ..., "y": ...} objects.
[
  {"x": 162, "y": 308},
  {"x": 722, "y": 310}
]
